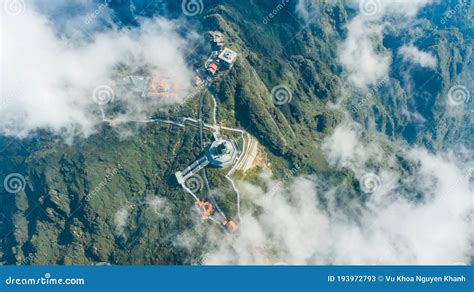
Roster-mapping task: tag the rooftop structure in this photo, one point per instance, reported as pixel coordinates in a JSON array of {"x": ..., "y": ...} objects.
[
  {"x": 131, "y": 84},
  {"x": 231, "y": 226},
  {"x": 197, "y": 80},
  {"x": 228, "y": 57},
  {"x": 222, "y": 153},
  {"x": 212, "y": 68},
  {"x": 133, "y": 80},
  {"x": 205, "y": 208},
  {"x": 160, "y": 87},
  {"x": 217, "y": 39},
  {"x": 182, "y": 176}
]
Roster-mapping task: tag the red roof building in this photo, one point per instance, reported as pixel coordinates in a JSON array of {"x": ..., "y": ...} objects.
[
  {"x": 197, "y": 80},
  {"x": 212, "y": 68},
  {"x": 205, "y": 208},
  {"x": 161, "y": 87},
  {"x": 231, "y": 226}
]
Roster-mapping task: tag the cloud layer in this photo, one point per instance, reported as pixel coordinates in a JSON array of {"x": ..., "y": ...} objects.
[
  {"x": 48, "y": 77},
  {"x": 364, "y": 64},
  {"x": 423, "y": 218},
  {"x": 415, "y": 212},
  {"x": 413, "y": 54},
  {"x": 361, "y": 53}
]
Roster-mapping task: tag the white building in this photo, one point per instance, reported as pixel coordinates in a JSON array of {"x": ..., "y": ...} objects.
[
  {"x": 227, "y": 57},
  {"x": 222, "y": 153}
]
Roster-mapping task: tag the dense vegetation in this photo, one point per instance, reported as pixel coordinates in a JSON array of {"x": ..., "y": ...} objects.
[{"x": 66, "y": 213}]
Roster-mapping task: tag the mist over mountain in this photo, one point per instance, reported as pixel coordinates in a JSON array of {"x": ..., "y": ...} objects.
[{"x": 355, "y": 142}]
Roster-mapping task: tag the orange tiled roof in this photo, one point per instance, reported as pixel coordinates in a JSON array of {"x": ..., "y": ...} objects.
[
  {"x": 161, "y": 87},
  {"x": 231, "y": 226},
  {"x": 212, "y": 68},
  {"x": 205, "y": 208}
]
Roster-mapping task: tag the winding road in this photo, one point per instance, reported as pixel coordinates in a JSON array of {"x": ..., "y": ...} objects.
[{"x": 215, "y": 129}]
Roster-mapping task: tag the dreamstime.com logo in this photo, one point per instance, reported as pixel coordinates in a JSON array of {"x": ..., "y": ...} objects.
[
  {"x": 99, "y": 10},
  {"x": 275, "y": 11},
  {"x": 458, "y": 94},
  {"x": 104, "y": 182},
  {"x": 369, "y": 7},
  {"x": 14, "y": 7},
  {"x": 192, "y": 7},
  {"x": 194, "y": 183},
  {"x": 45, "y": 280},
  {"x": 103, "y": 94},
  {"x": 281, "y": 95},
  {"x": 369, "y": 96},
  {"x": 14, "y": 183},
  {"x": 461, "y": 7},
  {"x": 279, "y": 186},
  {"x": 370, "y": 183}
]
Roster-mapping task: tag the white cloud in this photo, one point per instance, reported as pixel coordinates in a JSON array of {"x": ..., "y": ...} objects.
[
  {"x": 421, "y": 218},
  {"x": 407, "y": 8},
  {"x": 49, "y": 80},
  {"x": 120, "y": 219},
  {"x": 381, "y": 8},
  {"x": 413, "y": 54},
  {"x": 343, "y": 147},
  {"x": 306, "y": 9},
  {"x": 310, "y": 10},
  {"x": 362, "y": 54},
  {"x": 160, "y": 206},
  {"x": 363, "y": 63},
  {"x": 413, "y": 116}
]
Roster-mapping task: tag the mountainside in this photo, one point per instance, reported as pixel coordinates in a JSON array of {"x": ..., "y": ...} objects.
[{"x": 78, "y": 195}]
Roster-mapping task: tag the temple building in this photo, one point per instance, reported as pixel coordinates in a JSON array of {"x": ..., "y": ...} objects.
[
  {"x": 222, "y": 153},
  {"x": 160, "y": 87},
  {"x": 227, "y": 57}
]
